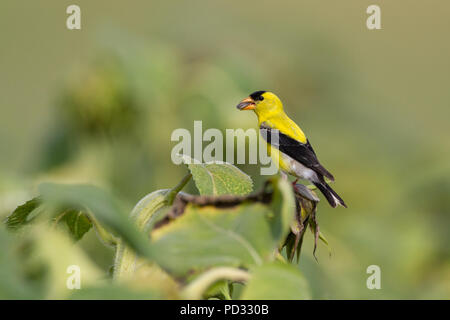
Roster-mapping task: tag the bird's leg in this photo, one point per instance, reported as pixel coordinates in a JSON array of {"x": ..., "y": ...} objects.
[{"x": 294, "y": 184}]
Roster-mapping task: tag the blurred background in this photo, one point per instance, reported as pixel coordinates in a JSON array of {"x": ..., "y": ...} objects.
[{"x": 98, "y": 105}]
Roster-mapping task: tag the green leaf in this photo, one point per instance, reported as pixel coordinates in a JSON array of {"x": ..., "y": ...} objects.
[
  {"x": 115, "y": 292},
  {"x": 219, "y": 290},
  {"x": 77, "y": 222},
  {"x": 209, "y": 236},
  {"x": 148, "y": 275},
  {"x": 218, "y": 178},
  {"x": 214, "y": 282},
  {"x": 102, "y": 205},
  {"x": 241, "y": 235},
  {"x": 146, "y": 210},
  {"x": 22, "y": 214},
  {"x": 55, "y": 251},
  {"x": 276, "y": 281},
  {"x": 13, "y": 283},
  {"x": 283, "y": 203}
]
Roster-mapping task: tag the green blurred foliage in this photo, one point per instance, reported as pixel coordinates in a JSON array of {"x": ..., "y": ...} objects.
[
  {"x": 99, "y": 106},
  {"x": 188, "y": 250}
]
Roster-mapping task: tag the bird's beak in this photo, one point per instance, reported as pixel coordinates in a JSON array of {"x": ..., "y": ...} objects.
[{"x": 246, "y": 104}]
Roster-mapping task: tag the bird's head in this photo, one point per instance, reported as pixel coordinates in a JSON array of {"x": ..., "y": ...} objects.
[{"x": 262, "y": 102}]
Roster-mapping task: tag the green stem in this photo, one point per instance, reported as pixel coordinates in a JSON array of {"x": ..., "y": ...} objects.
[
  {"x": 143, "y": 213},
  {"x": 195, "y": 290},
  {"x": 279, "y": 256},
  {"x": 105, "y": 236},
  {"x": 173, "y": 193},
  {"x": 124, "y": 262},
  {"x": 58, "y": 219},
  {"x": 226, "y": 291}
]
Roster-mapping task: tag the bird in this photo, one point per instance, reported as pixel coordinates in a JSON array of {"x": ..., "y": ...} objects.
[{"x": 290, "y": 147}]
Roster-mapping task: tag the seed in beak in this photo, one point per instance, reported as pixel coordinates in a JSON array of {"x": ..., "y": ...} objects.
[{"x": 246, "y": 104}]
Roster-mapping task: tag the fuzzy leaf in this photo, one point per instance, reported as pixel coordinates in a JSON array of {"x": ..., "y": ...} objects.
[
  {"x": 283, "y": 203},
  {"x": 21, "y": 214},
  {"x": 218, "y": 178},
  {"x": 102, "y": 205},
  {"x": 276, "y": 281},
  {"x": 54, "y": 250},
  {"x": 13, "y": 282},
  {"x": 209, "y": 236},
  {"x": 146, "y": 210},
  {"x": 77, "y": 222},
  {"x": 115, "y": 292},
  {"x": 204, "y": 236}
]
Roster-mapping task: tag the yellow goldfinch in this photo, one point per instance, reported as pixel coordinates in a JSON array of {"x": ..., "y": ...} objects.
[{"x": 292, "y": 151}]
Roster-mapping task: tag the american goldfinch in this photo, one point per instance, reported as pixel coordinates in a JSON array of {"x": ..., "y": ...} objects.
[{"x": 290, "y": 148}]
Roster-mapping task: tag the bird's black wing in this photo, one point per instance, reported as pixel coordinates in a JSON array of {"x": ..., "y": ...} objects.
[{"x": 302, "y": 152}]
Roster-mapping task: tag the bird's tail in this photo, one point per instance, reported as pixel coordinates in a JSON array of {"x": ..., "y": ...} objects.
[{"x": 331, "y": 195}]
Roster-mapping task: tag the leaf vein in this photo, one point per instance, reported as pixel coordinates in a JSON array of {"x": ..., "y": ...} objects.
[{"x": 252, "y": 251}]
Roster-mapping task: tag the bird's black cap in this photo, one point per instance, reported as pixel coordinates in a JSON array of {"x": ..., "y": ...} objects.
[{"x": 257, "y": 95}]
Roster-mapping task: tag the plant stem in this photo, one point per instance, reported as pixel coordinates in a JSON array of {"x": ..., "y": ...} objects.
[
  {"x": 279, "y": 256},
  {"x": 142, "y": 214},
  {"x": 124, "y": 261},
  {"x": 195, "y": 290},
  {"x": 105, "y": 236},
  {"x": 174, "y": 191}
]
